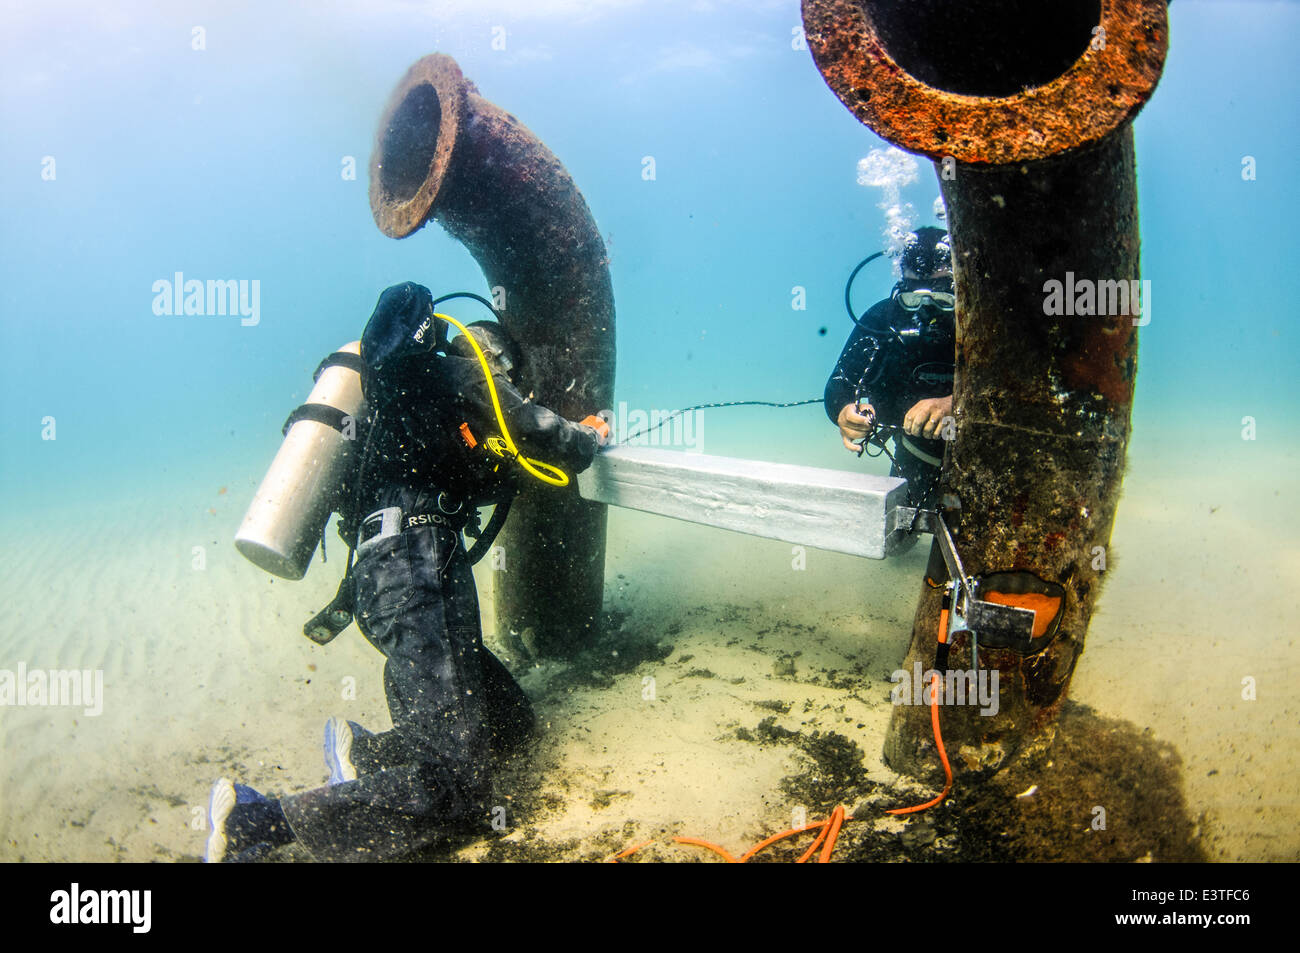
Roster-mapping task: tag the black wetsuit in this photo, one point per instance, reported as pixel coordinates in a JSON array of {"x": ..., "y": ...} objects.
[
  {"x": 893, "y": 359},
  {"x": 452, "y": 702}
]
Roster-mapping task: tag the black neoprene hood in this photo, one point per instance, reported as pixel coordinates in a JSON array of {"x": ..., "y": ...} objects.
[{"x": 402, "y": 324}]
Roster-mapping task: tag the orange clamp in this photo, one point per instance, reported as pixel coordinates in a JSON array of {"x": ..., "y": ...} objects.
[{"x": 597, "y": 424}]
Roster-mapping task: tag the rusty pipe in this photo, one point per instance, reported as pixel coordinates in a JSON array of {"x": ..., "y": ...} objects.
[
  {"x": 445, "y": 153},
  {"x": 1025, "y": 107}
]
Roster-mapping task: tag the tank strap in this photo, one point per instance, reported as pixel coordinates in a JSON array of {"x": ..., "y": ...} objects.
[
  {"x": 346, "y": 359},
  {"x": 320, "y": 413}
]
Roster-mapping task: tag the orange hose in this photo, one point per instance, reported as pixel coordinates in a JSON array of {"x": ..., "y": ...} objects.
[
  {"x": 703, "y": 843},
  {"x": 821, "y": 835},
  {"x": 829, "y": 829},
  {"x": 943, "y": 756},
  {"x": 630, "y": 851},
  {"x": 776, "y": 837},
  {"x": 833, "y": 827},
  {"x": 938, "y": 736}
]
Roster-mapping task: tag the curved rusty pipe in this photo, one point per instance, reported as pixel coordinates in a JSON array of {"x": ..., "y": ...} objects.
[
  {"x": 1032, "y": 102},
  {"x": 445, "y": 153}
]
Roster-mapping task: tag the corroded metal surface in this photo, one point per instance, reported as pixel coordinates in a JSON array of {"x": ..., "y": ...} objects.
[
  {"x": 446, "y": 154},
  {"x": 1042, "y": 406},
  {"x": 1114, "y": 75},
  {"x": 1043, "y": 184}
]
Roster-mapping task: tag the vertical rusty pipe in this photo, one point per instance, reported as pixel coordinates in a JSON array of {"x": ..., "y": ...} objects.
[
  {"x": 1025, "y": 108},
  {"x": 443, "y": 152}
]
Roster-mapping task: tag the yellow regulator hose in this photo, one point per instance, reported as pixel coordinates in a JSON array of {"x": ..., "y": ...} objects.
[{"x": 505, "y": 445}]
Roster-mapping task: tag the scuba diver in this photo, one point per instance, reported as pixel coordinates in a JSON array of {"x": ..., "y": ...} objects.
[
  {"x": 442, "y": 417},
  {"x": 895, "y": 374}
]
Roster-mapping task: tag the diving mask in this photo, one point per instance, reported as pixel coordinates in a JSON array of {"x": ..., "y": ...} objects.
[{"x": 914, "y": 293}]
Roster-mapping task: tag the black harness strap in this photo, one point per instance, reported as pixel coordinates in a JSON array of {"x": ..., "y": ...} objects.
[
  {"x": 335, "y": 617},
  {"x": 324, "y": 413},
  {"x": 489, "y": 533},
  {"x": 320, "y": 413},
  {"x": 346, "y": 359}
]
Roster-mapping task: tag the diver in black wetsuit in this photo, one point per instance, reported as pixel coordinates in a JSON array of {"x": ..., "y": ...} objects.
[
  {"x": 897, "y": 367},
  {"x": 425, "y": 470}
]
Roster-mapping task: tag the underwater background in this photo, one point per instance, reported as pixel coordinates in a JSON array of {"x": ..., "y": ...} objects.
[{"x": 215, "y": 139}]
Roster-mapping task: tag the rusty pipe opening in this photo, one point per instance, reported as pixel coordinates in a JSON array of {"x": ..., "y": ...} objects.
[
  {"x": 410, "y": 142},
  {"x": 417, "y": 137},
  {"x": 989, "y": 82},
  {"x": 984, "y": 47}
]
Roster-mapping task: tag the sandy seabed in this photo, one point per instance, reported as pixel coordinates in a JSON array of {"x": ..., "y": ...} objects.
[{"x": 747, "y": 695}]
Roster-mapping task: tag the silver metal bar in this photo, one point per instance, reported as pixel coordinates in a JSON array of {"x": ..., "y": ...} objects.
[
  {"x": 962, "y": 593},
  {"x": 835, "y": 510},
  {"x": 948, "y": 548}
]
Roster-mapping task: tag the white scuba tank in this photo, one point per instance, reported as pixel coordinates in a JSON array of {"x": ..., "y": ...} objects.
[{"x": 300, "y": 490}]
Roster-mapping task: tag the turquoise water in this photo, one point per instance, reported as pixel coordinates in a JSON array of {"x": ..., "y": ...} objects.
[
  {"x": 127, "y": 155},
  {"x": 226, "y": 163}
]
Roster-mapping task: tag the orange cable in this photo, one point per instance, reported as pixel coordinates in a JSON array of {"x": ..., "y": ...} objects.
[
  {"x": 812, "y": 848},
  {"x": 833, "y": 827},
  {"x": 781, "y": 836},
  {"x": 828, "y": 832},
  {"x": 938, "y": 737},
  {"x": 630, "y": 851},
  {"x": 698, "y": 842},
  {"x": 829, "y": 829}
]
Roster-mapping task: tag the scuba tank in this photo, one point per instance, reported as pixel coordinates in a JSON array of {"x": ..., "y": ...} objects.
[{"x": 308, "y": 477}]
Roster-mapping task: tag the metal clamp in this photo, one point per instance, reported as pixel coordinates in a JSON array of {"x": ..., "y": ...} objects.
[{"x": 1003, "y": 626}]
